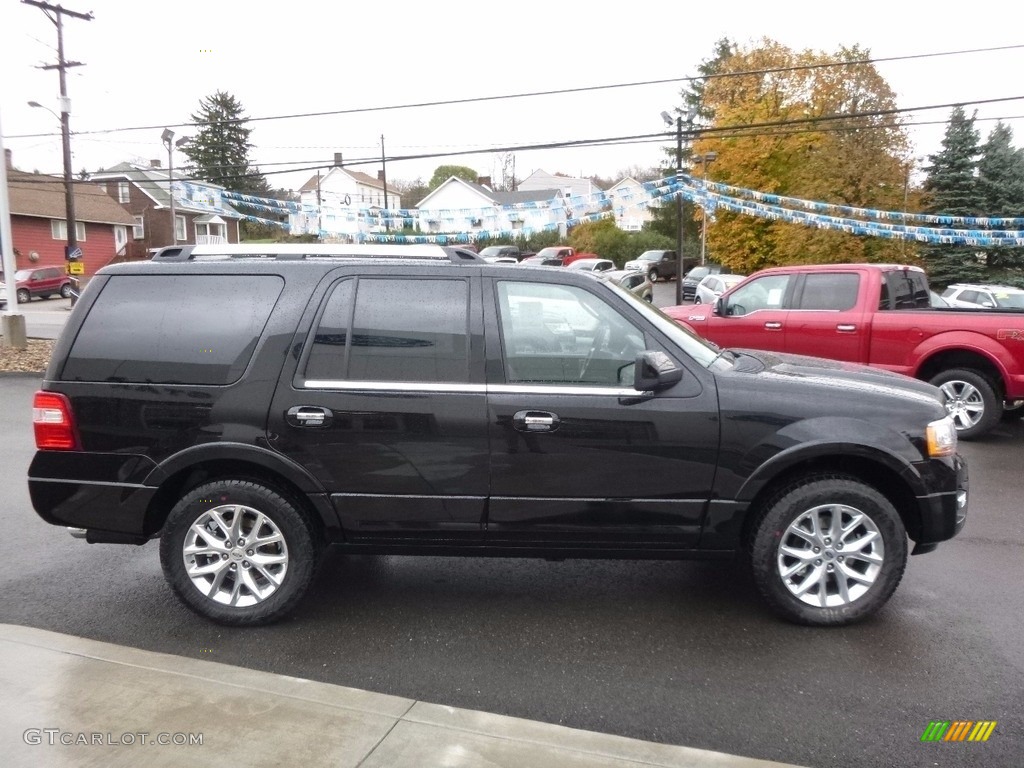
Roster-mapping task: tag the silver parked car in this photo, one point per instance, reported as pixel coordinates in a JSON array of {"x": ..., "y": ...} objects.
[
  {"x": 633, "y": 281},
  {"x": 592, "y": 265},
  {"x": 713, "y": 286},
  {"x": 974, "y": 296}
]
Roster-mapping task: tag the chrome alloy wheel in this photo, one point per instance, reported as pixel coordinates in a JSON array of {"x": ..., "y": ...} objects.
[
  {"x": 235, "y": 555},
  {"x": 964, "y": 403},
  {"x": 830, "y": 555}
]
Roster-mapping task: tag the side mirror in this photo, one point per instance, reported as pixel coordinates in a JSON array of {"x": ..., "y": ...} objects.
[
  {"x": 719, "y": 308},
  {"x": 655, "y": 371}
]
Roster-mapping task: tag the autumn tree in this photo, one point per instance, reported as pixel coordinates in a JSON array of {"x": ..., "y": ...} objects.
[
  {"x": 951, "y": 187},
  {"x": 805, "y": 124}
]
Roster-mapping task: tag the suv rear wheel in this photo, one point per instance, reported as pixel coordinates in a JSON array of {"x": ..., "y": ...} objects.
[
  {"x": 238, "y": 552},
  {"x": 65, "y": 291},
  {"x": 828, "y": 551}
]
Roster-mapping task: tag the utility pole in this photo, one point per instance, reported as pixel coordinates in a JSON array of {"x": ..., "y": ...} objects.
[
  {"x": 56, "y": 13},
  {"x": 384, "y": 178}
]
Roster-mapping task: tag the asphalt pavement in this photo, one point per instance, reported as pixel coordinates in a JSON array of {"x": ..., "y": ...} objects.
[{"x": 681, "y": 653}]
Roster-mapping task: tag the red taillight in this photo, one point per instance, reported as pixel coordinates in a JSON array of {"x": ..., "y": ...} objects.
[{"x": 54, "y": 423}]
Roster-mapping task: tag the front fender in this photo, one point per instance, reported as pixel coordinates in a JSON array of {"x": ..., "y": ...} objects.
[{"x": 812, "y": 440}]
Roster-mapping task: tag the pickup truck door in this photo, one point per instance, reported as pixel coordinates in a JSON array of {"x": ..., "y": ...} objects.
[
  {"x": 577, "y": 457},
  {"x": 826, "y": 319},
  {"x": 754, "y": 315}
]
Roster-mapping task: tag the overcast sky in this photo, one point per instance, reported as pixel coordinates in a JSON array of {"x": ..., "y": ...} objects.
[{"x": 149, "y": 63}]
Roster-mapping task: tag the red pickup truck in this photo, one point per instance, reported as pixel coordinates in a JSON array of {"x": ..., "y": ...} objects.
[{"x": 881, "y": 315}]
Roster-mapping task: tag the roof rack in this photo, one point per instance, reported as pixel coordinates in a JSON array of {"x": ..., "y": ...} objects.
[{"x": 303, "y": 252}]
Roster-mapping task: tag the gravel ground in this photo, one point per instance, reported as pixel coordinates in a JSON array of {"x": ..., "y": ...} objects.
[{"x": 32, "y": 359}]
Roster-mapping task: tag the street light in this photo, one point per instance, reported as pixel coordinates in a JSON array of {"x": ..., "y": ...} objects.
[
  {"x": 705, "y": 160},
  {"x": 168, "y": 137},
  {"x": 69, "y": 194}
]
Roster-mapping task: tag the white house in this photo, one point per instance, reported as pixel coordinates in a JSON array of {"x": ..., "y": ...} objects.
[
  {"x": 630, "y": 203},
  {"x": 343, "y": 203},
  {"x": 462, "y": 206}
]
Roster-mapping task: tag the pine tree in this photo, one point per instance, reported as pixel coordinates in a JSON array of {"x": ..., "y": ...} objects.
[
  {"x": 219, "y": 152},
  {"x": 1001, "y": 186},
  {"x": 952, "y": 188}
]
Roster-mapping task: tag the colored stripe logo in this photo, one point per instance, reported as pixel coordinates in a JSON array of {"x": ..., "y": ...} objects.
[{"x": 958, "y": 730}]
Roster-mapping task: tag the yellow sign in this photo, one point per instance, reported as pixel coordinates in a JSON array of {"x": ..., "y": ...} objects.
[{"x": 76, "y": 268}]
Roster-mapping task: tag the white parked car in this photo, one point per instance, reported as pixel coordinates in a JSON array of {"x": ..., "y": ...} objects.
[
  {"x": 632, "y": 280},
  {"x": 974, "y": 296},
  {"x": 592, "y": 265},
  {"x": 713, "y": 286}
]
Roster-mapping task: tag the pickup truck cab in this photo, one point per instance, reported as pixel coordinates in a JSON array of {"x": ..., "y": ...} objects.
[{"x": 881, "y": 315}]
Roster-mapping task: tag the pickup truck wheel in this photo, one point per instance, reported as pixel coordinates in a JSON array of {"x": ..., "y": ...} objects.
[
  {"x": 238, "y": 553},
  {"x": 1013, "y": 410},
  {"x": 653, "y": 275},
  {"x": 828, "y": 551},
  {"x": 970, "y": 400}
]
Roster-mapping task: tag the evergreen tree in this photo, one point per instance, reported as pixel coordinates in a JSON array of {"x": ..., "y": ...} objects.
[
  {"x": 1001, "y": 187},
  {"x": 951, "y": 188},
  {"x": 219, "y": 153}
]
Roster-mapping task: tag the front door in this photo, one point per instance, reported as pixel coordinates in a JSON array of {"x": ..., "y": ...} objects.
[
  {"x": 577, "y": 457},
  {"x": 754, "y": 316},
  {"x": 388, "y": 408}
]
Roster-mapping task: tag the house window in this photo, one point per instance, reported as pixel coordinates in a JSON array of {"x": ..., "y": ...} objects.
[
  {"x": 59, "y": 230},
  {"x": 179, "y": 228},
  {"x": 139, "y": 230},
  {"x": 122, "y": 192},
  {"x": 211, "y": 231}
]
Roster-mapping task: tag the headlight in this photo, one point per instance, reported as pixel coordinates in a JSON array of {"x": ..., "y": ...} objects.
[{"x": 941, "y": 438}]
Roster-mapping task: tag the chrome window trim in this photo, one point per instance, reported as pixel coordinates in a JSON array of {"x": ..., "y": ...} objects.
[{"x": 444, "y": 388}]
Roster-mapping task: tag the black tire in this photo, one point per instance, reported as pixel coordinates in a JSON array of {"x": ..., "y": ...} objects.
[
  {"x": 24, "y": 297},
  {"x": 653, "y": 275},
  {"x": 65, "y": 291},
  {"x": 821, "y": 496},
  {"x": 242, "y": 501},
  {"x": 966, "y": 389}
]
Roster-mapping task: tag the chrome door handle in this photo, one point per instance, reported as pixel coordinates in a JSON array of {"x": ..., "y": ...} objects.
[
  {"x": 309, "y": 416},
  {"x": 846, "y": 328},
  {"x": 773, "y": 326},
  {"x": 535, "y": 421}
]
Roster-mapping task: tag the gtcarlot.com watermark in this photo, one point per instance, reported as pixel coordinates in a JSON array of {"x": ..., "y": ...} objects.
[{"x": 55, "y": 736}]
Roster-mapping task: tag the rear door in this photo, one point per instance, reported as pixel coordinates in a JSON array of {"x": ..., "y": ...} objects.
[
  {"x": 387, "y": 407},
  {"x": 577, "y": 459},
  {"x": 825, "y": 319}
]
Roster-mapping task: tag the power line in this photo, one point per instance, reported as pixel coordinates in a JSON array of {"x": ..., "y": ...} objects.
[{"x": 533, "y": 94}]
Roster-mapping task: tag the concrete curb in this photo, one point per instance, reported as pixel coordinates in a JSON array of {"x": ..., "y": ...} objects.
[{"x": 93, "y": 695}]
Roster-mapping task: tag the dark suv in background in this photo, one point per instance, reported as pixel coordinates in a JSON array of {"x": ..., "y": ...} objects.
[{"x": 248, "y": 405}]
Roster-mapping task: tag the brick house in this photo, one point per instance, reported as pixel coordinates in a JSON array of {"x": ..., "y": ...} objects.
[
  {"x": 39, "y": 222},
  {"x": 202, "y": 214}
]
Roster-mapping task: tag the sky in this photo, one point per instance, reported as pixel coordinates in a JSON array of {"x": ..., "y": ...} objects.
[{"x": 148, "y": 64}]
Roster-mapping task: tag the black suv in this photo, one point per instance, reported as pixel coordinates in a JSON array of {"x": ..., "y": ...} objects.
[{"x": 248, "y": 405}]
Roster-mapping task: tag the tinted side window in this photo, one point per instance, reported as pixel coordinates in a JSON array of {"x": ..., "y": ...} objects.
[
  {"x": 909, "y": 290},
  {"x": 560, "y": 334},
  {"x": 837, "y": 291},
  {"x": 396, "y": 330},
  {"x": 180, "y": 329}
]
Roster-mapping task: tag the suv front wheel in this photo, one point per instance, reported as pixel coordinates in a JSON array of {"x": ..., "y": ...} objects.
[
  {"x": 828, "y": 551},
  {"x": 238, "y": 552}
]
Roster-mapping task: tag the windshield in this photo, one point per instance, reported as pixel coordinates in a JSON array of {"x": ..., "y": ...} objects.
[
  {"x": 548, "y": 253},
  {"x": 1013, "y": 300},
  {"x": 649, "y": 256},
  {"x": 698, "y": 349},
  {"x": 491, "y": 250}
]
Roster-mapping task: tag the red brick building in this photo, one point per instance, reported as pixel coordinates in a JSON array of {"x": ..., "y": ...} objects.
[
  {"x": 39, "y": 222},
  {"x": 202, "y": 215}
]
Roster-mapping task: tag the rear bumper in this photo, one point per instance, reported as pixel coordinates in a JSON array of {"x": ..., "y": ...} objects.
[{"x": 944, "y": 513}]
